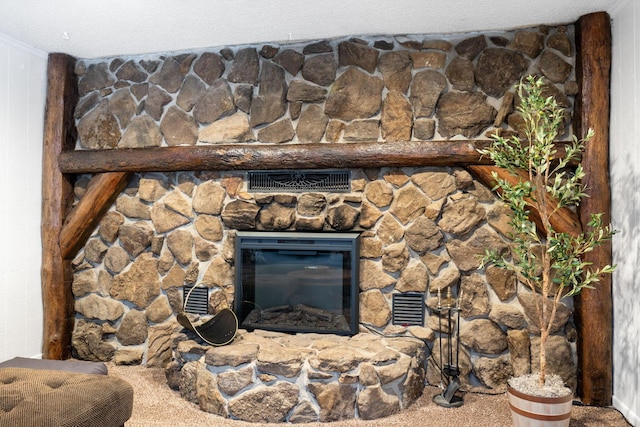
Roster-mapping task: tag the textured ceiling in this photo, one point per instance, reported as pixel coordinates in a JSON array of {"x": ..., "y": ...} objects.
[{"x": 93, "y": 29}]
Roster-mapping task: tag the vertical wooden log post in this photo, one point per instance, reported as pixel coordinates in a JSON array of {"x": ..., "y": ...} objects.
[
  {"x": 57, "y": 196},
  {"x": 594, "y": 307}
]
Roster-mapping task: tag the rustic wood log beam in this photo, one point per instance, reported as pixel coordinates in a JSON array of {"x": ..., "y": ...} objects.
[
  {"x": 564, "y": 220},
  {"x": 57, "y": 196},
  {"x": 594, "y": 307},
  {"x": 281, "y": 156},
  {"x": 268, "y": 156},
  {"x": 101, "y": 192}
]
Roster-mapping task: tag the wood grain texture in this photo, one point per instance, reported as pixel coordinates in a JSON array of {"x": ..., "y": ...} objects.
[
  {"x": 57, "y": 196},
  {"x": 101, "y": 192},
  {"x": 266, "y": 156},
  {"x": 594, "y": 307},
  {"x": 281, "y": 156},
  {"x": 564, "y": 220}
]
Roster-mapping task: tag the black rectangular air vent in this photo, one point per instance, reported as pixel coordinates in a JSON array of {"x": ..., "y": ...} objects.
[
  {"x": 196, "y": 299},
  {"x": 408, "y": 309},
  {"x": 300, "y": 180}
]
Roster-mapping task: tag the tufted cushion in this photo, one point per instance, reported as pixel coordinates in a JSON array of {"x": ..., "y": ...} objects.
[
  {"x": 79, "y": 366},
  {"x": 50, "y": 398}
]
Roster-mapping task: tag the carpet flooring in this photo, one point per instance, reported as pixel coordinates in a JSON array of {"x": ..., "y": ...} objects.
[{"x": 156, "y": 405}]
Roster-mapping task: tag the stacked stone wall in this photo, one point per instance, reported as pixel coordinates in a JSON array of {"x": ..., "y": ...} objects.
[{"x": 423, "y": 229}]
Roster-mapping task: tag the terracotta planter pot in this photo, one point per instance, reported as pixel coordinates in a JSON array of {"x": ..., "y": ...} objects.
[{"x": 536, "y": 411}]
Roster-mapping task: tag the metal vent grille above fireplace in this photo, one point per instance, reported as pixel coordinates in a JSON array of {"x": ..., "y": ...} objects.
[{"x": 300, "y": 180}]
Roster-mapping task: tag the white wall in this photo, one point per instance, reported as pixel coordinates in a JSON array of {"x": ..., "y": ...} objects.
[
  {"x": 22, "y": 101},
  {"x": 625, "y": 182}
]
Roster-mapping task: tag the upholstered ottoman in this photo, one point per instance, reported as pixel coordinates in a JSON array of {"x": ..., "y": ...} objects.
[{"x": 62, "y": 393}]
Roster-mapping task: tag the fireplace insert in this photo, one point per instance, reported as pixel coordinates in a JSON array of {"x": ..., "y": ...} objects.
[{"x": 297, "y": 282}]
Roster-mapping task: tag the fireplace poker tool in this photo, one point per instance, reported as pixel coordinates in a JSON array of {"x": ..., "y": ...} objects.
[{"x": 451, "y": 369}]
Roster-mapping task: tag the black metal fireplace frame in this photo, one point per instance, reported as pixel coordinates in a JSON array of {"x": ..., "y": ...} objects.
[{"x": 301, "y": 241}]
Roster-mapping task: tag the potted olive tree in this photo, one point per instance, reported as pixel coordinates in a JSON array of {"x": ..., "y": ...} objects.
[{"x": 548, "y": 262}]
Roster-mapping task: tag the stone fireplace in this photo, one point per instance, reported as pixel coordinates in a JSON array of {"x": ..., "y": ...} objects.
[
  {"x": 421, "y": 228},
  {"x": 297, "y": 282}
]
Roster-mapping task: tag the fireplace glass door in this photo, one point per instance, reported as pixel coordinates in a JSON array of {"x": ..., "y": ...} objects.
[{"x": 297, "y": 282}]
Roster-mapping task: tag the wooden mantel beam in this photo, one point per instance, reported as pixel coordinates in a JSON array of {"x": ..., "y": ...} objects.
[
  {"x": 269, "y": 156},
  {"x": 247, "y": 156},
  {"x": 594, "y": 307}
]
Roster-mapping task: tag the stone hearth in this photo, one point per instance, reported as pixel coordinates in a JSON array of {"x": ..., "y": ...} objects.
[{"x": 305, "y": 377}]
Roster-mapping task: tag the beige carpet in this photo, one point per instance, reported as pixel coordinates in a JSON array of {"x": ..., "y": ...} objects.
[{"x": 155, "y": 404}]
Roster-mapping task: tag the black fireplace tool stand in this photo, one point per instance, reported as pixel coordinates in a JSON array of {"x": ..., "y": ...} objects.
[{"x": 449, "y": 368}]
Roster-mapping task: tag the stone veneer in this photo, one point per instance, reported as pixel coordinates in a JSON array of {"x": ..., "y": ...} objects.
[
  {"x": 304, "y": 377},
  {"x": 423, "y": 229}
]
